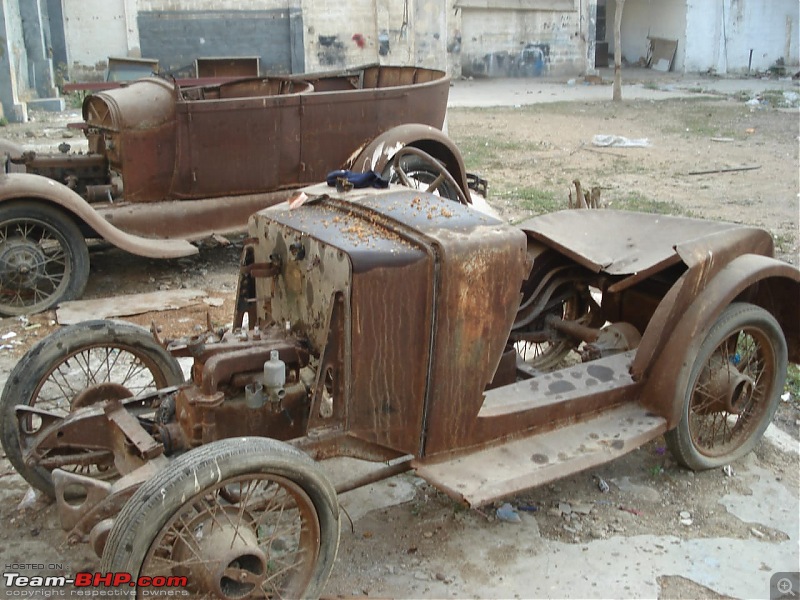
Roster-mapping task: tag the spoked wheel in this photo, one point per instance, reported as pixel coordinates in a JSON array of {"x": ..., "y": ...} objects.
[
  {"x": 733, "y": 390},
  {"x": 543, "y": 348},
  {"x": 243, "y": 518},
  {"x": 75, "y": 367},
  {"x": 419, "y": 170},
  {"x": 43, "y": 258}
]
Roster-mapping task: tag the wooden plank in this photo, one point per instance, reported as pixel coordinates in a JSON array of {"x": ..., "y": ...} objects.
[
  {"x": 132, "y": 304},
  {"x": 500, "y": 471}
]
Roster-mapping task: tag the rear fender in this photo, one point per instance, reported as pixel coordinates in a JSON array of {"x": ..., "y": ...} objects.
[
  {"x": 375, "y": 155},
  {"x": 761, "y": 280},
  {"x": 27, "y": 187}
]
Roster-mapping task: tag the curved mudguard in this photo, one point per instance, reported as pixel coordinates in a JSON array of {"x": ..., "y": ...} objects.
[
  {"x": 30, "y": 187},
  {"x": 689, "y": 310},
  {"x": 377, "y": 153}
]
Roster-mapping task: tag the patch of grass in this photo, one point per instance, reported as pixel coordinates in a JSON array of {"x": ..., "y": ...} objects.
[
  {"x": 483, "y": 152},
  {"x": 640, "y": 203},
  {"x": 784, "y": 242},
  {"x": 3, "y": 121},
  {"x": 535, "y": 200},
  {"x": 793, "y": 380}
]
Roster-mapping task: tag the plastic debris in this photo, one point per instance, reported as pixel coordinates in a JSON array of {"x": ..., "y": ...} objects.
[
  {"x": 786, "y": 396},
  {"x": 508, "y": 514},
  {"x": 618, "y": 141},
  {"x": 8, "y": 336},
  {"x": 297, "y": 200},
  {"x": 602, "y": 485},
  {"x": 728, "y": 470},
  {"x": 527, "y": 508}
]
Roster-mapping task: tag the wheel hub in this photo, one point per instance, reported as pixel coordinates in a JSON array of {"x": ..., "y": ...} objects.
[
  {"x": 730, "y": 388},
  {"x": 21, "y": 263},
  {"x": 225, "y": 556}
]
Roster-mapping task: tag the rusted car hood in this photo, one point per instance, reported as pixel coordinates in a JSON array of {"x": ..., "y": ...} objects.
[{"x": 624, "y": 243}]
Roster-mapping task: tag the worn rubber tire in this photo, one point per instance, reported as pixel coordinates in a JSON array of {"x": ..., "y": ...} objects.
[
  {"x": 76, "y": 270},
  {"x": 37, "y": 364},
  {"x": 153, "y": 504},
  {"x": 735, "y": 317}
]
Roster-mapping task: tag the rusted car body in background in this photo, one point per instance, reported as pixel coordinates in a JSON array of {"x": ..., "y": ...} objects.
[
  {"x": 167, "y": 165},
  {"x": 398, "y": 327}
]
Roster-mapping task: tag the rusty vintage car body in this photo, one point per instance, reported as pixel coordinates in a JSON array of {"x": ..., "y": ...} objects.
[
  {"x": 168, "y": 165},
  {"x": 402, "y": 328}
]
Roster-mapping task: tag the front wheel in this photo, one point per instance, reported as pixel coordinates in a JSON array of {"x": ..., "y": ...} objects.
[
  {"x": 238, "y": 518},
  {"x": 43, "y": 258},
  {"x": 74, "y": 367},
  {"x": 733, "y": 391}
]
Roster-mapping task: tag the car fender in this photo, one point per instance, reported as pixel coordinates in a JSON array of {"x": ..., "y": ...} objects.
[
  {"x": 376, "y": 154},
  {"x": 761, "y": 280},
  {"x": 30, "y": 187}
]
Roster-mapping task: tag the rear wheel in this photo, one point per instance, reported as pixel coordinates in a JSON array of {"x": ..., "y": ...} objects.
[
  {"x": 734, "y": 386},
  {"x": 43, "y": 258},
  {"x": 78, "y": 366},
  {"x": 239, "y": 518},
  {"x": 419, "y": 170}
]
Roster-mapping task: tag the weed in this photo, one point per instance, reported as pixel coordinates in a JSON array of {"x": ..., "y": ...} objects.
[
  {"x": 640, "y": 203},
  {"x": 535, "y": 200},
  {"x": 793, "y": 381},
  {"x": 3, "y": 121}
]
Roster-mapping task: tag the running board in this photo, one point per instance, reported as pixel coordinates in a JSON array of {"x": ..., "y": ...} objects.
[{"x": 486, "y": 475}]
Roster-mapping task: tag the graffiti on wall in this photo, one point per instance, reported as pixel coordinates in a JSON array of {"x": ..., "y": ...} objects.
[
  {"x": 331, "y": 50},
  {"x": 532, "y": 61}
]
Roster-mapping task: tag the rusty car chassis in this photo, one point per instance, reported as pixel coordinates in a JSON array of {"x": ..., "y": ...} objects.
[
  {"x": 168, "y": 165},
  {"x": 398, "y": 327}
]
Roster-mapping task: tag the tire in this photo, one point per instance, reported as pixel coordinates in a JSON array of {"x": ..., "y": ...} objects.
[
  {"x": 149, "y": 534},
  {"x": 733, "y": 389},
  {"x": 43, "y": 258},
  {"x": 71, "y": 355},
  {"x": 421, "y": 173}
]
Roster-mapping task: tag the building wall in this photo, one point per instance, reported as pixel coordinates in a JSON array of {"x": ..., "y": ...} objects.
[
  {"x": 507, "y": 42},
  {"x": 653, "y": 18},
  {"x": 14, "y": 85},
  {"x": 721, "y": 34},
  {"x": 93, "y": 30}
]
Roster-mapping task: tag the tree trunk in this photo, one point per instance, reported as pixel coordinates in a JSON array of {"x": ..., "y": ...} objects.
[{"x": 618, "y": 50}]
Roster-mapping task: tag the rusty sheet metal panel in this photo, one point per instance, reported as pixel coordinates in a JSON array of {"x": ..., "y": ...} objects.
[
  {"x": 138, "y": 130},
  {"x": 239, "y": 141},
  {"x": 479, "y": 267},
  {"x": 623, "y": 243},
  {"x": 335, "y": 123},
  {"x": 385, "y": 278}
]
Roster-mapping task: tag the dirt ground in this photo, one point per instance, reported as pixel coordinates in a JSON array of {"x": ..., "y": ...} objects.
[{"x": 421, "y": 544}]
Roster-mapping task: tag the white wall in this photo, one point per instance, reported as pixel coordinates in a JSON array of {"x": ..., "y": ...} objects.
[
  {"x": 493, "y": 41},
  {"x": 722, "y": 33},
  {"x": 654, "y": 18},
  {"x": 94, "y": 30}
]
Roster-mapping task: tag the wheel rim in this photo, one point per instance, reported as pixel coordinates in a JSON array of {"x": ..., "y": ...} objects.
[
  {"x": 91, "y": 374},
  {"x": 553, "y": 347},
  {"x": 730, "y": 393},
  {"x": 34, "y": 264},
  {"x": 251, "y": 536}
]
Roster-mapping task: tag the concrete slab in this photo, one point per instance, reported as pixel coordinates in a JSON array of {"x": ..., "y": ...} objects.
[{"x": 47, "y": 104}]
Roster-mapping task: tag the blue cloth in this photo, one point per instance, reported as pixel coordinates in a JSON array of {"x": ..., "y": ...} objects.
[{"x": 359, "y": 180}]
